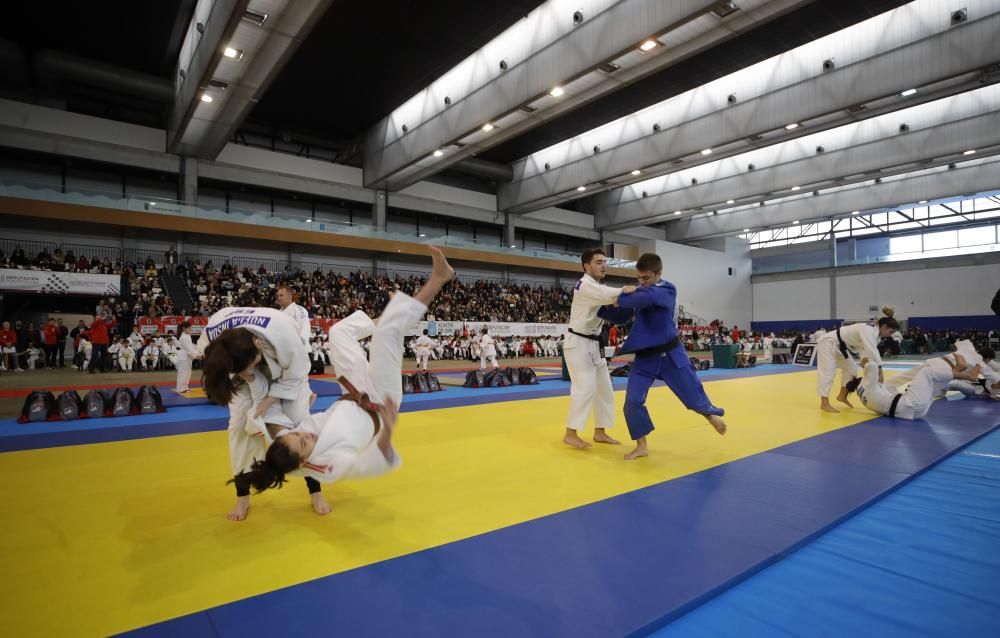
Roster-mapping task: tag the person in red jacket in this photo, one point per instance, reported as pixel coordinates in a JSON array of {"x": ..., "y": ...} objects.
[
  {"x": 8, "y": 347},
  {"x": 100, "y": 340},
  {"x": 50, "y": 336}
]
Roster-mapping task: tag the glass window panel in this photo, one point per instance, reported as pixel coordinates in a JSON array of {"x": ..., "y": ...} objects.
[
  {"x": 866, "y": 231},
  {"x": 908, "y": 244},
  {"x": 939, "y": 241},
  {"x": 990, "y": 215},
  {"x": 939, "y": 211},
  {"x": 878, "y": 219},
  {"x": 977, "y": 236},
  {"x": 906, "y": 225}
]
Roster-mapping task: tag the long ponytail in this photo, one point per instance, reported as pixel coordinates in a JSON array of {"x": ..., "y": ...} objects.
[{"x": 888, "y": 319}]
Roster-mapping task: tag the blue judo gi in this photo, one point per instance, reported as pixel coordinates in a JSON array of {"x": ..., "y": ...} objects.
[{"x": 654, "y": 327}]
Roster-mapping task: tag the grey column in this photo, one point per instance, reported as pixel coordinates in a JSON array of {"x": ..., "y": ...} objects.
[
  {"x": 852, "y": 248},
  {"x": 833, "y": 249},
  {"x": 509, "y": 226},
  {"x": 378, "y": 211},
  {"x": 189, "y": 179}
]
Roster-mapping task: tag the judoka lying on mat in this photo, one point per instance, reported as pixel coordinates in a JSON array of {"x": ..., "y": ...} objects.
[
  {"x": 930, "y": 380},
  {"x": 353, "y": 437}
]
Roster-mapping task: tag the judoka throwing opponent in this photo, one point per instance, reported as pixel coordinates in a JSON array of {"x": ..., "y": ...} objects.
[
  {"x": 353, "y": 438},
  {"x": 659, "y": 353}
]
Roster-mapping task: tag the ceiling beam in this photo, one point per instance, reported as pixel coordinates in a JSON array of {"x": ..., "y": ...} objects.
[
  {"x": 541, "y": 52},
  {"x": 975, "y": 177},
  {"x": 913, "y": 47}
]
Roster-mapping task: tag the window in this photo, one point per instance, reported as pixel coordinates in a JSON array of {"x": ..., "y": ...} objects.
[
  {"x": 941, "y": 240},
  {"x": 977, "y": 236},
  {"x": 908, "y": 244}
]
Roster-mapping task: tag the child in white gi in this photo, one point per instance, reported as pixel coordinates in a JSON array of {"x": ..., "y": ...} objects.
[
  {"x": 126, "y": 356},
  {"x": 423, "y": 349},
  {"x": 353, "y": 438},
  {"x": 487, "y": 351}
]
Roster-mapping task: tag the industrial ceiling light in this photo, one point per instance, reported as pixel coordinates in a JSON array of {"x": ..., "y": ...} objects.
[
  {"x": 677, "y": 212},
  {"x": 637, "y": 172},
  {"x": 795, "y": 222},
  {"x": 309, "y": 220},
  {"x": 206, "y": 98},
  {"x": 255, "y": 17},
  {"x": 908, "y": 93},
  {"x": 795, "y": 188},
  {"x": 923, "y": 201},
  {"x": 723, "y": 9},
  {"x": 855, "y": 212},
  {"x": 648, "y": 45},
  {"x": 438, "y": 153},
  {"x": 235, "y": 54},
  {"x": 581, "y": 188},
  {"x": 793, "y": 125},
  {"x": 488, "y": 127},
  {"x": 730, "y": 201},
  {"x": 556, "y": 91},
  {"x": 706, "y": 151},
  {"x": 609, "y": 67},
  {"x": 971, "y": 151},
  {"x": 746, "y": 230}
]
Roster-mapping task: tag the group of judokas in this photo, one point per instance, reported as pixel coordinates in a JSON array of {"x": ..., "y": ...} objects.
[
  {"x": 966, "y": 370},
  {"x": 482, "y": 346},
  {"x": 654, "y": 340},
  {"x": 256, "y": 363},
  {"x": 137, "y": 351}
]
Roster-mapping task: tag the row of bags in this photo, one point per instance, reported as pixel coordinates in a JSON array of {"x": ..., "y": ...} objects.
[{"x": 42, "y": 405}]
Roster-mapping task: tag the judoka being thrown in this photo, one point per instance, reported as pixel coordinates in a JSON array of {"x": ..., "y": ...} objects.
[
  {"x": 659, "y": 353},
  {"x": 353, "y": 437}
]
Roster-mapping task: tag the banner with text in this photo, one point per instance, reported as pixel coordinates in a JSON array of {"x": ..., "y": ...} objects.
[{"x": 60, "y": 283}]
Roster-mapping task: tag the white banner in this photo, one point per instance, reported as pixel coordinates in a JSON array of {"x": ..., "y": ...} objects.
[
  {"x": 60, "y": 283},
  {"x": 497, "y": 329}
]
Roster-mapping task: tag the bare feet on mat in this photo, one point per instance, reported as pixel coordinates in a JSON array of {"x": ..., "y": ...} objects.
[
  {"x": 842, "y": 398},
  {"x": 824, "y": 405},
  {"x": 320, "y": 506},
  {"x": 600, "y": 436},
  {"x": 239, "y": 512},
  {"x": 639, "y": 451},
  {"x": 717, "y": 423},
  {"x": 573, "y": 439}
]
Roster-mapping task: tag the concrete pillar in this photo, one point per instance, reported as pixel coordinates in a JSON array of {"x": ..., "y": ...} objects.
[
  {"x": 833, "y": 296},
  {"x": 378, "y": 212},
  {"x": 189, "y": 180},
  {"x": 509, "y": 226}
]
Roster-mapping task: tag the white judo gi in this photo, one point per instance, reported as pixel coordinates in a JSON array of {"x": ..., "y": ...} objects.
[
  {"x": 345, "y": 447},
  {"x": 931, "y": 379},
  {"x": 487, "y": 352},
  {"x": 588, "y": 369},
  {"x": 185, "y": 354},
  {"x": 300, "y": 316},
  {"x": 422, "y": 348},
  {"x": 284, "y": 360},
  {"x": 860, "y": 338}
]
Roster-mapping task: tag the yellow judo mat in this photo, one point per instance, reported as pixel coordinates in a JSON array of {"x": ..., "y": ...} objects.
[{"x": 103, "y": 538}]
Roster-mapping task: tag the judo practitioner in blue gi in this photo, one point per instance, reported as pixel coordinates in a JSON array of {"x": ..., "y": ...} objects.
[{"x": 659, "y": 353}]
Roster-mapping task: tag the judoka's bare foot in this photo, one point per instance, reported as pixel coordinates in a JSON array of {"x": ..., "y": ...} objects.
[
  {"x": 239, "y": 512},
  {"x": 573, "y": 439},
  {"x": 717, "y": 423},
  {"x": 826, "y": 407},
  {"x": 440, "y": 268},
  {"x": 312, "y": 398},
  {"x": 320, "y": 506},
  {"x": 639, "y": 451},
  {"x": 842, "y": 397},
  {"x": 600, "y": 436}
]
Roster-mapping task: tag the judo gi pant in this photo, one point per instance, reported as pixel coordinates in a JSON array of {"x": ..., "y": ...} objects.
[
  {"x": 674, "y": 369},
  {"x": 590, "y": 387},
  {"x": 183, "y": 373},
  {"x": 828, "y": 359}
]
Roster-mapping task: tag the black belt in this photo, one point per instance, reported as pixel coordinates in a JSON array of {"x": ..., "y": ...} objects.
[
  {"x": 670, "y": 345},
  {"x": 596, "y": 338},
  {"x": 843, "y": 346},
  {"x": 892, "y": 406}
]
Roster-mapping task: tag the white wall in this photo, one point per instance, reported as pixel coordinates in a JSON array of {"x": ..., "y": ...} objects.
[
  {"x": 919, "y": 292},
  {"x": 450, "y": 194},
  {"x": 266, "y": 160},
  {"x": 704, "y": 286},
  {"x": 794, "y": 299}
]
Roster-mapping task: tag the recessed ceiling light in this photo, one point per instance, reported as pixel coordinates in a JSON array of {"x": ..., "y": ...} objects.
[
  {"x": 581, "y": 188},
  {"x": 746, "y": 230},
  {"x": 488, "y": 127},
  {"x": 855, "y": 212},
  {"x": 707, "y": 151},
  {"x": 730, "y": 201},
  {"x": 789, "y": 127},
  {"x": 438, "y": 153},
  {"x": 152, "y": 203},
  {"x": 795, "y": 188},
  {"x": 637, "y": 172},
  {"x": 235, "y": 54},
  {"x": 255, "y": 17},
  {"x": 422, "y": 235},
  {"x": 795, "y": 222},
  {"x": 969, "y": 152},
  {"x": 308, "y": 220},
  {"x": 649, "y": 45},
  {"x": 909, "y": 92},
  {"x": 513, "y": 245},
  {"x": 556, "y": 91},
  {"x": 923, "y": 201},
  {"x": 677, "y": 212},
  {"x": 206, "y": 98}
]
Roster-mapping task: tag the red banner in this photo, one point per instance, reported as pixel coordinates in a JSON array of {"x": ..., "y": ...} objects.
[
  {"x": 323, "y": 324},
  {"x": 197, "y": 324},
  {"x": 149, "y": 326}
]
